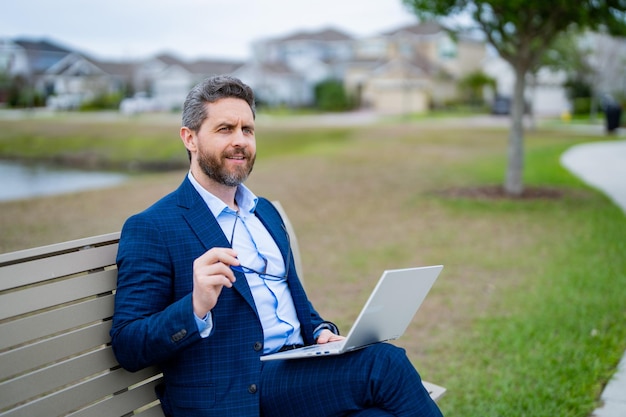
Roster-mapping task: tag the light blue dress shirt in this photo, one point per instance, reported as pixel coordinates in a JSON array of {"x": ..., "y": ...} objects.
[{"x": 253, "y": 244}]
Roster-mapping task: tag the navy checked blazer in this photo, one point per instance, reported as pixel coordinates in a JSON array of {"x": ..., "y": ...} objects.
[{"x": 153, "y": 322}]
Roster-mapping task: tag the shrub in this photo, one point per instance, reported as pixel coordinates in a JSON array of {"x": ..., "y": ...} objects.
[
  {"x": 581, "y": 105},
  {"x": 103, "y": 102},
  {"x": 331, "y": 96}
]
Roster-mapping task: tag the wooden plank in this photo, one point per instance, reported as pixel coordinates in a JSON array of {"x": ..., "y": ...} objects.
[
  {"x": 435, "y": 391},
  {"x": 56, "y": 292},
  {"x": 48, "y": 379},
  {"x": 71, "y": 245},
  {"x": 155, "y": 411},
  {"x": 121, "y": 404},
  {"x": 19, "y": 331},
  {"x": 38, "y": 270},
  {"x": 83, "y": 394},
  {"x": 38, "y": 354}
]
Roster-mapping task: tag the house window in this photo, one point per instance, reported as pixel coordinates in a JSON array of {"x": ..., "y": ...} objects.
[
  {"x": 447, "y": 49},
  {"x": 405, "y": 49}
]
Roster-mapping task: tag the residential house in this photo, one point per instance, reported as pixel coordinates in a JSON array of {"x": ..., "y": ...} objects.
[
  {"x": 286, "y": 70},
  {"x": 411, "y": 69},
  {"x": 76, "y": 79},
  {"x": 406, "y": 70},
  {"x": 13, "y": 58},
  {"x": 168, "y": 79},
  {"x": 65, "y": 78},
  {"x": 27, "y": 58},
  {"x": 275, "y": 84},
  {"x": 399, "y": 85},
  {"x": 544, "y": 94},
  {"x": 24, "y": 61},
  {"x": 68, "y": 78},
  {"x": 604, "y": 57}
]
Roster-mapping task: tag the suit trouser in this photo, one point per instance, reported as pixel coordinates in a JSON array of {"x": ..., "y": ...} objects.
[{"x": 378, "y": 380}]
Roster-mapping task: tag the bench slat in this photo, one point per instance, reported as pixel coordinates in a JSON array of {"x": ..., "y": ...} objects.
[
  {"x": 39, "y": 297},
  {"x": 434, "y": 390},
  {"x": 34, "y": 298},
  {"x": 58, "y": 248},
  {"x": 44, "y": 324},
  {"x": 54, "y": 376},
  {"x": 85, "y": 393},
  {"x": 38, "y": 354},
  {"x": 121, "y": 404},
  {"x": 152, "y": 412},
  {"x": 38, "y": 270}
]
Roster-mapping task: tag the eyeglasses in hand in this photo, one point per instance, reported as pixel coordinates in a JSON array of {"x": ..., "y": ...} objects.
[{"x": 262, "y": 274}]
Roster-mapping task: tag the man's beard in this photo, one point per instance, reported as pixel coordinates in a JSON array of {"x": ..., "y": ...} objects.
[{"x": 215, "y": 167}]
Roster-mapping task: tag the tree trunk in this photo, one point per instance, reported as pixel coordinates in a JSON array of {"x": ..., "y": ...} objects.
[{"x": 513, "y": 185}]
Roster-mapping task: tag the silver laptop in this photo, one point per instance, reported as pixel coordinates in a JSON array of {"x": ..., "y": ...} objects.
[{"x": 385, "y": 316}]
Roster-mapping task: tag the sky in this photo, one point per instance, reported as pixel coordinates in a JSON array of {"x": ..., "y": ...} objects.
[{"x": 190, "y": 29}]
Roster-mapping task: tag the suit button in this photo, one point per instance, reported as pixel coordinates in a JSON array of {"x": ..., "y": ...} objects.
[
  {"x": 258, "y": 346},
  {"x": 252, "y": 389},
  {"x": 179, "y": 336}
]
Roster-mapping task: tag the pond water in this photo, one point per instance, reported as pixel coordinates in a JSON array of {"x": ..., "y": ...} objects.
[{"x": 19, "y": 181}]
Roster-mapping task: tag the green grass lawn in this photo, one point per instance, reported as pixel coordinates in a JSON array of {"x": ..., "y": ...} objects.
[
  {"x": 527, "y": 317},
  {"x": 554, "y": 327}
]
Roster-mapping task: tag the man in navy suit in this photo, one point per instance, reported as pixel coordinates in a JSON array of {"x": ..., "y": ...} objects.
[{"x": 207, "y": 284}]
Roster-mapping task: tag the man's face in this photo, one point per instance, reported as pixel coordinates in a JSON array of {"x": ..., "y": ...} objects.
[{"x": 226, "y": 146}]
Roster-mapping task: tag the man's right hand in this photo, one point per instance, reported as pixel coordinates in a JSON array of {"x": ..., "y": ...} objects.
[{"x": 211, "y": 273}]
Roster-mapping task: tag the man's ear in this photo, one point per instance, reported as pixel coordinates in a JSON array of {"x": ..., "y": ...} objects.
[{"x": 188, "y": 137}]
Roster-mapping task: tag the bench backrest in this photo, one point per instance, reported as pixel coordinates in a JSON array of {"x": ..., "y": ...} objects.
[{"x": 56, "y": 304}]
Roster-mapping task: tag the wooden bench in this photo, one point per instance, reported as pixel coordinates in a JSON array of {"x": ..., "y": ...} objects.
[{"x": 56, "y": 304}]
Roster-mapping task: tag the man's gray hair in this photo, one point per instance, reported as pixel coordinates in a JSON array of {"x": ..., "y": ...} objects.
[{"x": 209, "y": 91}]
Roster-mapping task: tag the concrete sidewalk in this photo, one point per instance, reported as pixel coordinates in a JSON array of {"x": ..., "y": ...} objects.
[{"x": 603, "y": 166}]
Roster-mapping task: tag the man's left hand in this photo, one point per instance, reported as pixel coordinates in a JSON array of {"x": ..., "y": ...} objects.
[{"x": 328, "y": 336}]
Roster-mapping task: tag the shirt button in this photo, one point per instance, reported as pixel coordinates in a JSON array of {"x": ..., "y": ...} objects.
[
  {"x": 258, "y": 346},
  {"x": 252, "y": 389}
]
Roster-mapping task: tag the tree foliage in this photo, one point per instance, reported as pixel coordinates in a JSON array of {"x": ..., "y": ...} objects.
[
  {"x": 521, "y": 31},
  {"x": 473, "y": 85}
]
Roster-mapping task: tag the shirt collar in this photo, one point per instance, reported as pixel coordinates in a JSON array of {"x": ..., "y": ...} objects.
[{"x": 246, "y": 200}]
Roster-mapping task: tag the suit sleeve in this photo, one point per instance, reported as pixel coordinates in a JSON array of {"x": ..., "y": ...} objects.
[{"x": 148, "y": 327}]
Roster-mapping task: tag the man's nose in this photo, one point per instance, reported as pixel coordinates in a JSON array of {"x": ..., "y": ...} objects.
[{"x": 238, "y": 137}]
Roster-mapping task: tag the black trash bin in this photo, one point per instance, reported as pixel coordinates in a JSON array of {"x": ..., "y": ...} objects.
[{"x": 613, "y": 113}]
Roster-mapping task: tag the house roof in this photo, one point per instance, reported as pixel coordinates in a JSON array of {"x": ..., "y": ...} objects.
[
  {"x": 123, "y": 69},
  {"x": 42, "y": 53},
  {"x": 201, "y": 66},
  {"x": 277, "y": 68},
  {"x": 326, "y": 35},
  {"x": 169, "y": 59},
  {"x": 41, "y": 45},
  {"x": 268, "y": 68},
  {"x": 431, "y": 28},
  {"x": 410, "y": 67},
  {"x": 74, "y": 64},
  {"x": 213, "y": 66},
  {"x": 422, "y": 28}
]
